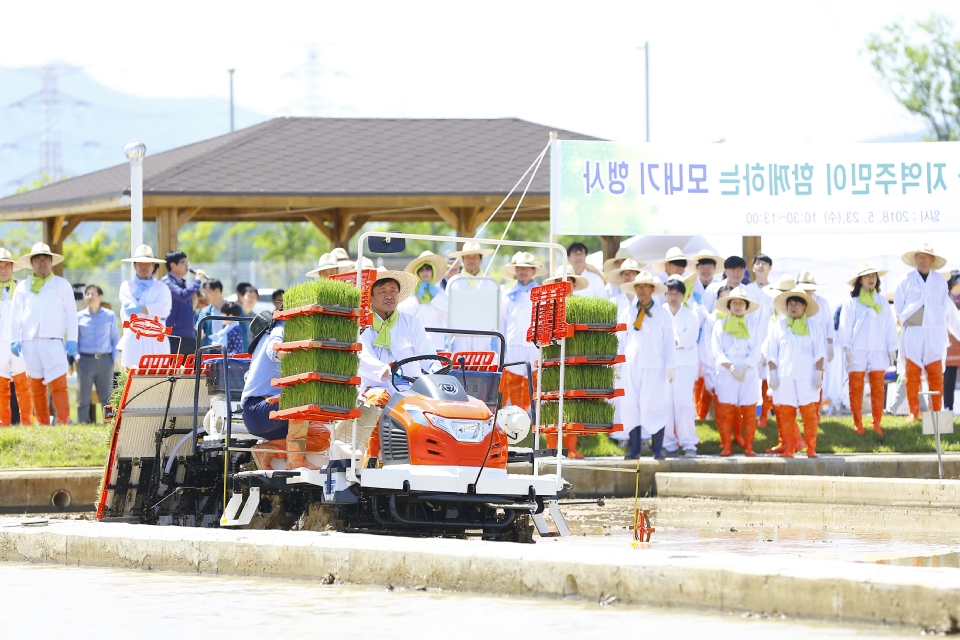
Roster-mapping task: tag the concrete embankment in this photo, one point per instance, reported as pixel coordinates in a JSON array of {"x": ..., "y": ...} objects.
[
  {"x": 552, "y": 568},
  {"x": 48, "y": 490}
]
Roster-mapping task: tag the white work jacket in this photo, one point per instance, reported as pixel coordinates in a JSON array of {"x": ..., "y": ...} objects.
[
  {"x": 158, "y": 302},
  {"x": 863, "y": 329},
  {"x": 794, "y": 356},
  {"x": 736, "y": 351},
  {"x": 686, "y": 330},
  {"x": 653, "y": 346},
  {"x": 407, "y": 339},
  {"x": 52, "y": 313}
]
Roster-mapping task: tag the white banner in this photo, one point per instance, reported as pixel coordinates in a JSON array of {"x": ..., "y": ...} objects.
[{"x": 612, "y": 188}]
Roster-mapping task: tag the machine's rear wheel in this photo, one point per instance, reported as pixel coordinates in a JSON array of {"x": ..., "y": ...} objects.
[
  {"x": 319, "y": 517},
  {"x": 520, "y": 530}
]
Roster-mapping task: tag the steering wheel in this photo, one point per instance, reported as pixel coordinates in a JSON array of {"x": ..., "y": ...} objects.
[{"x": 396, "y": 366}]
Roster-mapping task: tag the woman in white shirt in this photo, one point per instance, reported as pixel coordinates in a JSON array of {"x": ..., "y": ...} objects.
[
  {"x": 428, "y": 302},
  {"x": 143, "y": 296},
  {"x": 737, "y": 352}
]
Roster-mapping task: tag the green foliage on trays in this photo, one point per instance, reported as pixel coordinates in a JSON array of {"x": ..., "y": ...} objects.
[
  {"x": 323, "y": 393},
  {"x": 117, "y": 394},
  {"x": 322, "y": 291},
  {"x": 584, "y": 376},
  {"x": 577, "y": 411},
  {"x": 340, "y": 363},
  {"x": 320, "y": 327},
  {"x": 585, "y": 343},
  {"x": 590, "y": 310}
]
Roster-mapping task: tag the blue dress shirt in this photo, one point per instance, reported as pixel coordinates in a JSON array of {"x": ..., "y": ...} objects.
[{"x": 98, "y": 333}]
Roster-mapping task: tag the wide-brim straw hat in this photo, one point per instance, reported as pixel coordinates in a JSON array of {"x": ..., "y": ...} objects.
[
  {"x": 780, "y": 302},
  {"x": 579, "y": 282},
  {"x": 436, "y": 262},
  {"x": 910, "y": 257},
  {"x": 705, "y": 254},
  {"x": 673, "y": 253},
  {"x": 738, "y": 293},
  {"x": 805, "y": 280},
  {"x": 785, "y": 283},
  {"x": 326, "y": 263},
  {"x": 644, "y": 277},
  {"x": 6, "y": 256},
  {"x": 522, "y": 259},
  {"x": 346, "y": 266},
  {"x": 622, "y": 254},
  {"x": 628, "y": 265},
  {"x": 865, "y": 269},
  {"x": 408, "y": 282},
  {"x": 39, "y": 249},
  {"x": 144, "y": 254},
  {"x": 469, "y": 249}
]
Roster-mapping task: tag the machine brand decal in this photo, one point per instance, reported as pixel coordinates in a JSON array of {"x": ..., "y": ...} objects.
[{"x": 448, "y": 388}]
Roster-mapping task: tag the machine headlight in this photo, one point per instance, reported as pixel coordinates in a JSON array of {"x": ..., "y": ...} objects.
[{"x": 462, "y": 430}]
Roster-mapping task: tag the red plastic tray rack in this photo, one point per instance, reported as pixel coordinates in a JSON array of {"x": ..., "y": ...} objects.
[
  {"x": 597, "y": 360},
  {"x": 317, "y": 309},
  {"x": 315, "y": 413},
  {"x": 548, "y": 315},
  {"x": 314, "y": 376},
  {"x": 367, "y": 278},
  {"x": 583, "y": 394},
  {"x": 580, "y": 429},
  {"x": 319, "y": 344}
]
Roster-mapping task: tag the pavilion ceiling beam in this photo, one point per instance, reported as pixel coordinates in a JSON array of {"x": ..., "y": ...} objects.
[
  {"x": 187, "y": 215},
  {"x": 448, "y": 215}
]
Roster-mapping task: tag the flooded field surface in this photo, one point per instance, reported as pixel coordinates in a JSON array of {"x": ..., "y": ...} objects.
[{"x": 57, "y": 602}]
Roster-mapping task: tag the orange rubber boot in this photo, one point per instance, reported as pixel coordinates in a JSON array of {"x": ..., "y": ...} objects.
[
  {"x": 935, "y": 382},
  {"x": 749, "y": 414},
  {"x": 809, "y": 414},
  {"x": 856, "y": 400},
  {"x": 699, "y": 390},
  {"x": 297, "y": 431},
  {"x": 516, "y": 390},
  {"x": 22, "y": 386},
  {"x": 913, "y": 389},
  {"x": 779, "y": 419},
  {"x": 876, "y": 399},
  {"x": 551, "y": 441},
  {"x": 725, "y": 427},
  {"x": 738, "y": 427},
  {"x": 5, "y": 412},
  {"x": 38, "y": 392},
  {"x": 765, "y": 405},
  {"x": 61, "y": 399},
  {"x": 570, "y": 442},
  {"x": 788, "y": 427},
  {"x": 266, "y": 452}
]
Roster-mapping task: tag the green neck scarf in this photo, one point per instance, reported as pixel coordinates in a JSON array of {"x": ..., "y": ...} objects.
[
  {"x": 37, "y": 283},
  {"x": 866, "y": 298},
  {"x": 8, "y": 285},
  {"x": 722, "y": 314},
  {"x": 736, "y": 326},
  {"x": 383, "y": 328},
  {"x": 798, "y": 325}
]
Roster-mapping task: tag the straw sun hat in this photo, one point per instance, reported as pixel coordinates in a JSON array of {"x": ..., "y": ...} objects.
[
  {"x": 428, "y": 258},
  {"x": 522, "y": 259},
  {"x": 738, "y": 293},
  {"x": 39, "y": 249},
  {"x": 579, "y": 282},
  {"x": 865, "y": 269},
  {"x": 622, "y": 254},
  {"x": 910, "y": 257},
  {"x": 6, "y": 256},
  {"x": 780, "y": 302},
  {"x": 144, "y": 254},
  {"x": 705, "y": 254},
  {"x": 785, "y": 283},
  {"x": 469, "y": 249},
  {"x": 408, "y": 282},
  {"x": 805, "y": 280},
  {"x": 628, "y": 265},
  {"x": 644, "y": 277},
  {"x": 326, "y": 263},
  {"x": 673, "y": 253}
]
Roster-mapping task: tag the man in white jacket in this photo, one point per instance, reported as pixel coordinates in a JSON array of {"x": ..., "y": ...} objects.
[
  {"x": 682, "y": 425},
  {"x": 11, "y": 366},
  {"x": 146, "y": 297},
  {"x": 515, "y": 309},
  {"x": 43, "y": 327}
]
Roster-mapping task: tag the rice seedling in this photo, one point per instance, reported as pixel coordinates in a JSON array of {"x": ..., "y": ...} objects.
[
  {"x": 589, "y": 310},
  {"x": 578, "y": 411},
  {"x": 117, "y": 395},
  {"x": 584, "y": 376},
  {"x": 585, "y": 343},
  {"x": 322, "y": 393},
  {"x": 340, "y": 363},
  {"x": 320, "y": 327},
  {"x": 328, "y": 292}
]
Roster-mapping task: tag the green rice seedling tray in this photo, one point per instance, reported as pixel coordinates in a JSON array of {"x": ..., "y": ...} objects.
[
  {"x": 315, "y": 413},
  {"x": 320, "y": 393},
  {"x": 590, "y": 359},
  {"x": 589, "y": 312},
  {"x": 585, "y": 343},
  {"x": 329, "y": 361},
  {"x": 581, "y": 428},
  {"x": 608, "y": 327},
  {"x": 314, "y": 376},
  {"x": 583, "y": 394},
  {"x": 578, "y": 410},
  {"x": 325, "y": 292},
  {"x": 318, "y": 344},
  {"x": 317, "y": 309},
  {"x": 578, "y": 377},
  {"x": 323, "y": 327}
]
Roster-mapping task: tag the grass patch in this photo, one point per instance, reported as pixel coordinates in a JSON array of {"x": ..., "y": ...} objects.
[
  {"x": 326, "y": 393},
  {"x": 340, "y": 363},
  {"x": 589, "y": 310},
  {"x": 320, "y": 327},
  {"x": 585, "y": 343},
  {"x": 329, "y": 292},
  {"x": 83, "y": 445},
  {"x": 583, "y": 376},
  {"x": 118, "y": 388},
  {"x": 580, "y": 411}
]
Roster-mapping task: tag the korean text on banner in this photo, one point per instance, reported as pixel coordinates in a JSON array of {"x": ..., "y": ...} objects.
[{"x": 612, "y": 188}]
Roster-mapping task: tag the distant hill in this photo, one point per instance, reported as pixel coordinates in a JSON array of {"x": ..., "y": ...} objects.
[{"x": 93, "y": 133}]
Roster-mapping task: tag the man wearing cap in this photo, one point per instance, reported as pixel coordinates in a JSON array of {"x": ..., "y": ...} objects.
[
  {"x": 471, "y": 256},
  {"x": 11, "y": 366},
  {"x": 429, "y": 302},
  {"x": 734, "y": 270},
  {"x": 181, "y": 316},
  {"x": 613, "y": 286},
  {"x": 145, "y": 297},
  {"x": 922, "y": 303},
  {"x": 43, "y": 327},
  {"x": 515, "y": 309}
]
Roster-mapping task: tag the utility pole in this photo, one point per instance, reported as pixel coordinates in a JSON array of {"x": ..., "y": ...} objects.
[
  {"x": 135, "y": 152},
  {"x": 646, "y": 79},
  {"x": 230, "y": 71}
]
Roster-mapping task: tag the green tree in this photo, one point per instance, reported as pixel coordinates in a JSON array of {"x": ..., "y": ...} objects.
[
  {"x": 43, "y": 179},
  {"x": 203, "y": 242},
  {"x": 95, "y": 252},
  {"x": 18, "y": 237},
  {"x": 285, "y": 242},
  {"x": 921, "y": 66}
]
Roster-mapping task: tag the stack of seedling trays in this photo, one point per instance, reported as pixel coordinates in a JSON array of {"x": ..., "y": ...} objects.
[
  {"x": 590, "y": 329},
  {"x": 319, "y": 369}
]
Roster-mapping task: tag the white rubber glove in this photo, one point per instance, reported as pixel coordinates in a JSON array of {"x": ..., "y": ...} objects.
[
  {"x": 817, "y": 381},
  {"x": 738, "y": 373},
  {"x": 848, "y": 356},
  {"x": 773, "y": 380},
  {"x": 671, "y": 374},
  {"x": 829, "y": 352},
  {"x": 893, "y": 358}
]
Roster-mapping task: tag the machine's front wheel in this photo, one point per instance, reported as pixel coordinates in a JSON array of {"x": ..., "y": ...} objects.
[{"x": 520, "y": 530}]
